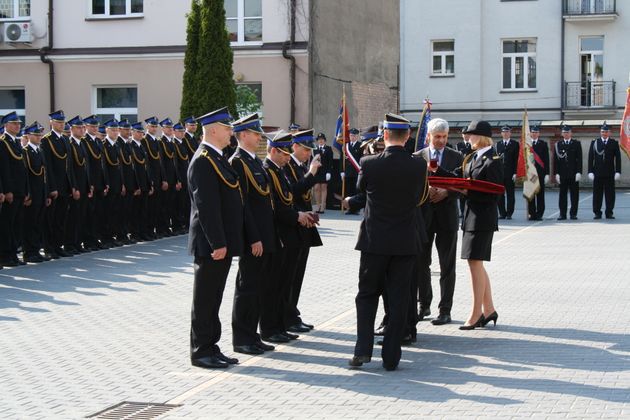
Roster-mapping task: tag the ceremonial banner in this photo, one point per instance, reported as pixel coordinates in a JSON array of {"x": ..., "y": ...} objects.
[
  {"x": 342, "y": 129},
  {"x": 425, "y": 117},
  {"x": 526, "y": 167},
  {"x": 624, "y": 137},
  {"x": 455, "y": 184}
]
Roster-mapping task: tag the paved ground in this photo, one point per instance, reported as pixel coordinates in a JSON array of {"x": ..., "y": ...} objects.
[{"x": 79, "y": 335}]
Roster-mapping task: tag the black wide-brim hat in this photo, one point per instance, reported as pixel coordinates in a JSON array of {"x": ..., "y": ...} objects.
[{"x": 481, "y": 128}]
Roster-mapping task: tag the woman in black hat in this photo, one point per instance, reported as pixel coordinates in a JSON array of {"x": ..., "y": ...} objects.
[
  {"x": 480, "y": 220},
  {"x": 323, "y": 175}
]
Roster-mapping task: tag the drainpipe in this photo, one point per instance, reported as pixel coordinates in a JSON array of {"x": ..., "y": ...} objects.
[
  {"x": 290, "y": 57},
  {"x": 44, "y": 51},
  {"x": 562, "y": 82}
]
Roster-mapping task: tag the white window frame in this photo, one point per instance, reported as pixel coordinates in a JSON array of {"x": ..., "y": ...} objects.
[
  {"x": 240, "y": 26},
  {"x": 443, "y": 55},
  {"x": 525, "y": 56},
  {"x": 117, "y": 112},
  {"x": 106, "y": 15},
  {"x": 21, "y": 112},
  {"x": 16, "y": 10}
]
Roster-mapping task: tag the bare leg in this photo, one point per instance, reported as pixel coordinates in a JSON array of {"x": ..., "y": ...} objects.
[
  {"x": 479, "y": 281},
  {"x": 323, "y": 197},
  {"x": 488, "y": 304},
  {"x": 317, "y": 189}
]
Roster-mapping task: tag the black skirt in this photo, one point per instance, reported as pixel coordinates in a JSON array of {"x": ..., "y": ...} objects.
[{"x": 477, "y": 245}]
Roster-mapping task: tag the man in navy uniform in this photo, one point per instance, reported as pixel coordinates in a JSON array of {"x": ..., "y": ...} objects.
[
  {"x": 112, "y": 165},
  {"x": 140, "y": 227},
  {"x": 158, "y": 177},
  {"x": 77, "y": 210},
  {"x": 174, "y": 185},
  {"x": 39, "y": 200},
  {"x": 536, "y": 207},
  {"x": 129, "y": 179},
  {"x": 354, "y": 152},
  {"x": 216, "y": 235},
  {"x": 389, "y": 240},
  {"x": 190, "y": 137},
  {"x": 62, "y": 184},
  {"x": 508, "y": 150},
  {"x": 14, "y": 181},
  {"x": 255, "y": 264},
  {"x": 93, "y": 146},
  {"x": 181, "y": 216},
  {"x": 568, "y": 160},
  {"x": 604, "y": 168}
]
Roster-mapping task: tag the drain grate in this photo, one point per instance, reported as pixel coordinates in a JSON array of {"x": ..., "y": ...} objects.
[{"x": 128, "y": 410}]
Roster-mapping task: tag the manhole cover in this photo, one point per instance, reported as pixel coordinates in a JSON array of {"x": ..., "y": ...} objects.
[{"x": 128, "y": 410}]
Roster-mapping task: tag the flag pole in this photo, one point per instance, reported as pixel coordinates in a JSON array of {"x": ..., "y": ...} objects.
[
  {"x": 523, "y": 137},
  {"x": 343, "y": 144}
]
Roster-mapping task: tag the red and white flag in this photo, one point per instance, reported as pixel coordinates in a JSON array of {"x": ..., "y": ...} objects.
[
  {"x": 624, "y": 137},
  {"x": 526, "y": 167}
]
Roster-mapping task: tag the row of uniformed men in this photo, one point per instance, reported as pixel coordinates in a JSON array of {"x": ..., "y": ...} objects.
[
  {"x": 259, "y": 211},
  {"x": 82, "y": 187},
  {"x": 603, "y": 168}
]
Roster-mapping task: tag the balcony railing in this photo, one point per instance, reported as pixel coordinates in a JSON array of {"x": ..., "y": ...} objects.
[
  {"x": 589, "y": 7},
  {"x": 589, "y": 94}
]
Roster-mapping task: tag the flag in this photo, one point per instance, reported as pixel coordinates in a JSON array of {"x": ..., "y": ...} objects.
[
  {"x": 526, "y": 167},
  {"x": 425, "y": 117},
  {"x": 624, "y": 137},
  {"x": 342, "y": 129}
]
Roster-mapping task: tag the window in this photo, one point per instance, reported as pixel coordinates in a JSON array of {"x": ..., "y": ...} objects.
[
  {"x": 15, "y": 9},
  {"x": 519, "y": 64},
  {"x": 244, "y": 21},
  {"x": 116, "y": 8},
  {"x": 249, "y": 98},
  {"x": 12, "y": 100},
  {"x": 443, "y": 58},
  {"x": 116, "y": 102}
]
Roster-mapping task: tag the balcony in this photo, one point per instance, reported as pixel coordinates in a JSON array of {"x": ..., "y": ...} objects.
[
  {"x": 589, "y": 10},
  {"x": 596, "y": 99}
]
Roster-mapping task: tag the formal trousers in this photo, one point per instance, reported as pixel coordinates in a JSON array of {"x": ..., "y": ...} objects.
[
  {"x": 56, "y": 216},
  {"x": 446, "y": 244},
  {"x": 275, "y": 290},
  {"x": 139, "y": 225},
  {"x": 94, "y": 219},
  {"x": 507, "y": 200},
  {"x": 603, "y": 186},
  {"x": 536, "y": 207},
  {"x": 573, "y": 189},
  {"x": 292, "y": 297},
  {"x": 32, "y": 234},
  {"x": 9, "y": 228},
  {"x": 111, "y": 226},
  {"x": 209, "y": 282},
  {"x": 75, "y": 224}
]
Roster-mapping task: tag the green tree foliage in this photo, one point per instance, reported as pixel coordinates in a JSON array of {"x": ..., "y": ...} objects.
[
  {"x": 189, "y": 99},
  {"x": 247, "y": 100}
]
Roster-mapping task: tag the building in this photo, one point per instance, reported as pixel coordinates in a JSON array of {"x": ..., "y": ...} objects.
[
  {"x": 124, "y": 58},
  {"x": 491, "y": 59}
]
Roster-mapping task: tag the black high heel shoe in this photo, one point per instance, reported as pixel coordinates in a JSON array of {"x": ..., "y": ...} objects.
[
  {"x": 492, "y": 317},
  {"x": 479, "y": 323}
]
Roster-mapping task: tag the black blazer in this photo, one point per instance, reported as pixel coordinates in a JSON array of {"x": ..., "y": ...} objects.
[
  {"x": 168, "y": 162},
  {"x": 141, "y": 167},
  {"x": 191, "y": 143},
  {"x": 284, "y": 213},
  {"x": 463, "y": 147},
  {"x": 154, "y": 160},
  {"x": 443, "y": 216},
  {"x": 36, "y": 168},
  {"x": 357, "y": 153},
  {"x": 80, "y": 167},
  {"x": 568, "y": 159},
  {"x": 60, "y": 174},
  {"x": 509, "y": 156},
  {"x": 216, "y": 206},
  {"x": 94, "y": 153},
  {"x": 181, "y": 160},
  {"x": 126, "y": 163},
  {"x": 256, "y": 188},
  {"x": 604, "y": 160},
  {"x": 12, "y": 169},
  {"x": 394, "y": 182},
  {"x": 301, "y": 184},
  {"x": 542, "y": 151},
  {"x": 480, "y": 211},
  {"x": 326, "y": 158},
  {"x": 111, "y": 165}
]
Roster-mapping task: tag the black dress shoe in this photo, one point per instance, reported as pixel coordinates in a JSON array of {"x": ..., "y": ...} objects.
[
  {"x": 20, "y": 262},
  {"x": 10, "y": 263},
  {"x": 290, "y": 336},
  {"x": 389, "y": 367},
  {"x": 381, "y": 330},
  {"x": 597, "y": 216},
  {"x": 51, "y": 255},
  {"x": 309, "y": 326},
  {"x": 264, "y": 346},
  {"x": 610, "y": 217},
  {"x": 573, "y": 217},
  {"x": 508, "y": 217},
  {"x": 248, "y": 349},
  {"x": 33, "y": 258},
  {"x": 228, "y": 360},
  {"x": 209, "y": 362},
  {"x": 423, "y": 313},
  {"x": 357, "y": 361},
  {"x": 562, "y": 218},
  {"x": 298, "y": 328},
  {"x": 502, "y": 217},
  {"x": 442, "y": 319},
  {"x": 276, "y": 338},
  {"x": 408, "y": 339},
  {"x": 45, "y": 257},
  {"x": 62, "y": 253}
]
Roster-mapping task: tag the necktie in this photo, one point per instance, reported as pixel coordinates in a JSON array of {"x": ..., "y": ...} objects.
[{"x": 437, "y": 155}]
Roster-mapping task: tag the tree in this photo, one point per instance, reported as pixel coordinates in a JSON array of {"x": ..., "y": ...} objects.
[
  {"x": 189, "y": 100},
  {"x": 247, "y": 100}
]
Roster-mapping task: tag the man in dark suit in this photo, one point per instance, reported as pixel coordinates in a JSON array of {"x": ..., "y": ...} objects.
[
  {"x": 568, "y": 160},
  {"x": 441, "y": 216},
  {"x": 93, "y": 147},
  {"x": 508, "y": 150},
  {"x": 62, "y": 184},
  {"x": 215, "y": 237},
  {"x": 389, "y": 240},
  {"x": 287, "y": 220},
  {"x": 536, "y": 207},
  {"x": 324, "y": 174},
  {"x": 39, "y": 200},
  {"x": 113, "y": 200},
  {"x": 16, "y": 189},
  {"x": 190, "y": 137},
  {"x": 140, "y": 228},
  {"x": 350, "y": 171},
  {"x": 77, "y": 211},
  {"x": 604, "y": 168},
  {"x": 182, "y": 156},
  {"x": 301, "y": 181},
  {"x": 129, "y": 179},
  {"x": 174, "y": 185},
  {"x": 158, "y": 176},
  {"x": 260, "y": 238}
]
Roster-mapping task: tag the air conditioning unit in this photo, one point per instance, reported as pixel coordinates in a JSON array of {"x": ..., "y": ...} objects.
[{"x": 17, "y": 32}]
